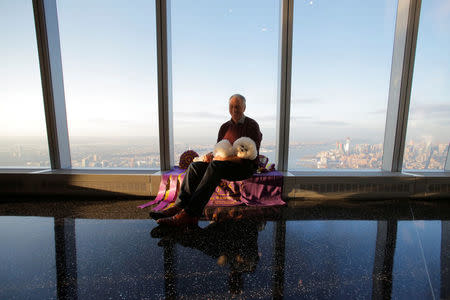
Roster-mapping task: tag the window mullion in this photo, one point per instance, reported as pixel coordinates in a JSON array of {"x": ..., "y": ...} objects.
[
  {"x": 284, "y": 85},
  {"x": 163, "y": 37},
  {"x": 47, "y": 34},
  {"x": 406, "y": 28}
]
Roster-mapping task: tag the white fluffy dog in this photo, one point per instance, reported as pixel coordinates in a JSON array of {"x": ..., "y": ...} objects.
[
  {"x": 223, "y": 149},
  {"x": 245, "y": 147}
]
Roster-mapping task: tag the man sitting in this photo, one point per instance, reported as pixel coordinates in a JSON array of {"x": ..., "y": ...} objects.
[{"x": 203, "y": 177}]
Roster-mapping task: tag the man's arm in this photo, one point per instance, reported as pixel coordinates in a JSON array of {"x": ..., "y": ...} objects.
[
  {"x": 233, "y": 158},
  {"x": 221, "y": 132}
]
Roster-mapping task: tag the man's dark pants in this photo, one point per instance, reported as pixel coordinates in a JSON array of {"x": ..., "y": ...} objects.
[{"x": 202, "y": 178}]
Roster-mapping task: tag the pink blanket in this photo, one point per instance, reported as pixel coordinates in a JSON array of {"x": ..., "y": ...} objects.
[{"x": 260, "y": 190}]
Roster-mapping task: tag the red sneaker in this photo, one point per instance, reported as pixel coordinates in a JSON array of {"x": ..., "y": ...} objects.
[
  {"x": 155, "y": 215},
  {"x": 180, "y": 219}
]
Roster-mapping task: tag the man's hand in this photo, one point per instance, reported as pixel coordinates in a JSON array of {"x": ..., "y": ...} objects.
[{"x": 208, "y": 157}]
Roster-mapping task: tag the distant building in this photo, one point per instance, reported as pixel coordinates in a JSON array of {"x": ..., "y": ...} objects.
[
  {"x": 347, "y": 146},
  {"x": 443, "y": 149}
]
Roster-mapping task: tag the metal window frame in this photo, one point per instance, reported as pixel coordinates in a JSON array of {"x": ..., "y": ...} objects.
[
  {"x": 284, "y": 85},
  {"x": 164, "y": 62},
  {"x": 49, "y": 49},
  {"x": 406, "y": 29}
]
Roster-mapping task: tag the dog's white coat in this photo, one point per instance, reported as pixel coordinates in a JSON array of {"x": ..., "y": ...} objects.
[
  {"x": 223, "y": 149},
  {"x": 245, "y": 147}
]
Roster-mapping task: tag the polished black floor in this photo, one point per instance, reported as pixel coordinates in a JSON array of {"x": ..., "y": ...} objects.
[{"x": 71, "y": 249}]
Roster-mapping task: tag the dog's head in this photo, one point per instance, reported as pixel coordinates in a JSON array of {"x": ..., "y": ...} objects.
[
  {"x": 242, "y": 148},
  {"x": 245, "y": 147}
]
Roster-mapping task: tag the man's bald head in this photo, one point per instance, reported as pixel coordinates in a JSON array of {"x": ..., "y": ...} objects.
[
  {"x": 237, "y": 107},
  {"x": 239, "y": 96}
]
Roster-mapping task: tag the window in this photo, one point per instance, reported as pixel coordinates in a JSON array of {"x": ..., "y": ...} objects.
[
  {"x": 428, "y": 137},
  {"x": 219, "y": 49},
  {"x": 341, "y": 63},
  {"x": 108, "y": 53},
  {"x": 23, "y": 138}
]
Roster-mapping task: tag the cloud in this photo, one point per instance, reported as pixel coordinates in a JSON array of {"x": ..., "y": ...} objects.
[
  {"x": 430, "y": 112},
  {"x": 107, "y": 127},
  {"x": 306, "y": 100},
  {"x": 200, "y": 116},
  {"x": 378, "y": 112},
  {"x": 423, "y": 111},
  {"x": 300, "y": 118},
  {"x": 107, "y": 123},
  {"x": 331, "y": 123},
  {"x": 264, "y": 118}
]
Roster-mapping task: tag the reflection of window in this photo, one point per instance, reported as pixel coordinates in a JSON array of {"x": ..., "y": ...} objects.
[
  {"x": 27, "y": 257},
  {"x": 428, "y": 135},
  {"x": 23, "y": 139},
  {"x": 418, "y": 247},
  {"x": 341, "y": 242},
  {"x": 105, "y": 264},
  {"x": 341, "y": 62},
  {"x": 219, "y": 49},
  {"x": 109, "y": 60}
]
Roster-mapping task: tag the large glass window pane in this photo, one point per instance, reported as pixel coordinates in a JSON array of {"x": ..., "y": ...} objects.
[
  {"x": 341, "y": 62},
  {"x": 219, "y": 49},
  {"x": 23, "y": 138},
  {"x": 109, "y": 62},
  {"x": 428, "y": 133}
]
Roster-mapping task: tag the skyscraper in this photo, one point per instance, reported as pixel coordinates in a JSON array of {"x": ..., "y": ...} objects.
[{"x": 347, "y": 146}]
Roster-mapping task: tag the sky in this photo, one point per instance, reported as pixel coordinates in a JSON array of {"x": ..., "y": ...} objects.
[{"x": 340, "y": 68}]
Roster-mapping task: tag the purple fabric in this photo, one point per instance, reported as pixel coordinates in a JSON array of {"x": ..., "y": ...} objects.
[
  {"x": 263, "y": 189},
  {"x": 174, "y": 187},
  {"x": 260, "y": 190},
  {"x": 227, "y": 193},
  {"x": 164, "y": 185}
]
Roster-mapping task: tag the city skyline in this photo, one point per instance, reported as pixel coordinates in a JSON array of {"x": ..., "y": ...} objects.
[{"x": 343, "y": 154}]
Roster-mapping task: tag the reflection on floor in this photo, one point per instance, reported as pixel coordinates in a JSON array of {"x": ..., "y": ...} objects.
[{"x": 309, "y": 250}]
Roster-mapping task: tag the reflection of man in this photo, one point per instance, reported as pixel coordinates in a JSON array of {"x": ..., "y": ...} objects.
[
  {"x": 203, "y": 177},
  {"x": 232, "y": 242}
]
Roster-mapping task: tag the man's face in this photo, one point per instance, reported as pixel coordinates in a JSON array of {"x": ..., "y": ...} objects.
[{"x": 237, "y": 108}]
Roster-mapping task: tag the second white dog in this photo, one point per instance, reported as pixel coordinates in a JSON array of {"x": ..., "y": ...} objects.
[{"x": 245, "y": 147}]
